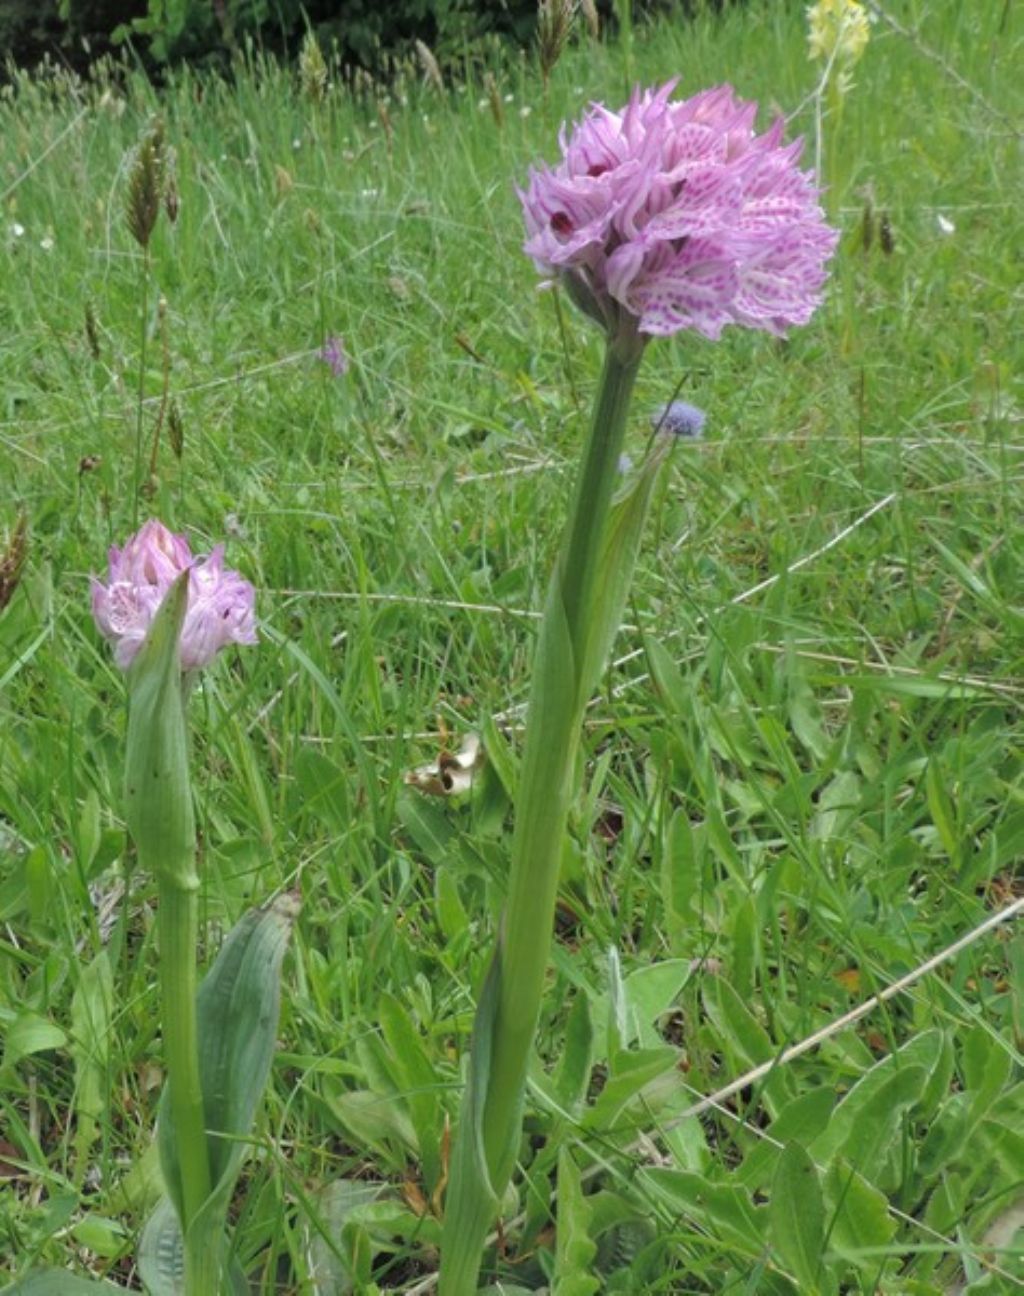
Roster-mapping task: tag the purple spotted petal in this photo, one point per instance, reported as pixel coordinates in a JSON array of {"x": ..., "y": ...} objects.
[
  {"x": 220, "y": 607},
  {"x": 679, "y": 215}
]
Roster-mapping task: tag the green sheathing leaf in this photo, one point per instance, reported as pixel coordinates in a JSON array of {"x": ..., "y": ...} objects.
[
  {"x": 158, "y": 798},
  {"x": 619, "y": 548},
  {"x": 471, "y": 1198}
]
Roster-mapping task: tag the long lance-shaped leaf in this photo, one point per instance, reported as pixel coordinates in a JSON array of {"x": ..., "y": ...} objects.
[
  {"x": 619, "y": 549},
  {"x": 471, "y": 1198},
  {"x": 238, "y": 1008},
  {"x": 161, "y": 1256}
]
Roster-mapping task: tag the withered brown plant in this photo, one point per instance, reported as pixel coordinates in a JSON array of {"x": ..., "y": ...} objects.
[{"x": 12, "y": 560}]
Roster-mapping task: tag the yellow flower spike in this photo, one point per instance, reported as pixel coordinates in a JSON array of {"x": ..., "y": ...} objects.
[{"x": 837, "y": 29}]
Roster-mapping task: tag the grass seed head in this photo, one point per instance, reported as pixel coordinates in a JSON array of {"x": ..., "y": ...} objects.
[
  {"x": 146, "y": 185},
  {"x": 172, "y": 198},
  {"x": 92, "y": 330},
  {"x": 430, "y": 65},
  {"x": 886, "y": 237},
  {"x": 312, "y": 69},
  {"x": 384, "y": 117},
  {"x": 554, "y": 22},
  {"x": 494, "y": 99},
  {"x": 175, "y": 429}
]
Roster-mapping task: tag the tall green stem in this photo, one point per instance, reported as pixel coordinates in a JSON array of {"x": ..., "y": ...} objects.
[
  {"x": 543, "y": 802},
  {"x": 510, "y": 1004}
]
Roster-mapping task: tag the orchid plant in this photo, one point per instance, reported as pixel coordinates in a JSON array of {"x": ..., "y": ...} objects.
[
  {"x": 663, "y": 217},
  {"x": 167, "y": 615}
]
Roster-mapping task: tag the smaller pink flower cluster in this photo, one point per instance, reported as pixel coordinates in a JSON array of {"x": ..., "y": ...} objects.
[
  {"x": 678, "y": 215},
  {"x": 220, "y": 602}
]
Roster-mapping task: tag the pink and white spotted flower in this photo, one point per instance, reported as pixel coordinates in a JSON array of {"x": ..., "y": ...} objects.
[
  {"x": 220, "y": 602},
  {"x": 679, "y": 215}
]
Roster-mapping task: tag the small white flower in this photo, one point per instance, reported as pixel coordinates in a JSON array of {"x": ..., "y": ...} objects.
[
  {"x": 945, "y": 225},
  {"x": 525, "y": 110},
  {"x": 17, "y": 230},
  {"x": 369, "y": 193},
  {"x": 509, "y": 98},
  {"x": 296, "y": 143},
  {"x": 482, "y": 105},
  {"x": 47, "y": 243}
]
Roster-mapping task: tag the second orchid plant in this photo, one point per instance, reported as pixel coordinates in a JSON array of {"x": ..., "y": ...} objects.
[
  {"x": 167, "y": 615},
  {"x": 663, "y": 217}
]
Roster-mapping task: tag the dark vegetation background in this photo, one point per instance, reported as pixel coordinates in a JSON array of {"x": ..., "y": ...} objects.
[{"x": 363, "y": 33}]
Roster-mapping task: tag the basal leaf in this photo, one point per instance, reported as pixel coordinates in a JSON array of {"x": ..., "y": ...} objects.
[
  {"x": 650, "y": 991},
  {"x": 573, "y": 1071},
  {"x": 859, "y": 1216},
  {"x": 418, "y": 1080},
  {"x": 91, "y": 1007},
  {"x": 868, "y": 1119},
  {"x": 55, "y": 1282},
  {"x": 797, "y": 1216},
  {"x": 726, "y": 1208},
  {"x": 575, "y": 1249}
]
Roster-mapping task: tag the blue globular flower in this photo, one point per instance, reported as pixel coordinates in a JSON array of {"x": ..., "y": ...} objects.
[{"x": 680, "y": 419}]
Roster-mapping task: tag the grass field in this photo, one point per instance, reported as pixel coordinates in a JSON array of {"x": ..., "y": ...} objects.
[{"x": 804, "y": 776}]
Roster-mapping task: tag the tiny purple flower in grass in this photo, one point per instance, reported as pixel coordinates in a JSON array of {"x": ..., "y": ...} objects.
[
  {"x": 680, "y": 419},
  {"x": 679, "y": 215},
  {"x": 220, "y": 603},
  {"x": 333, "y": 355}
]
